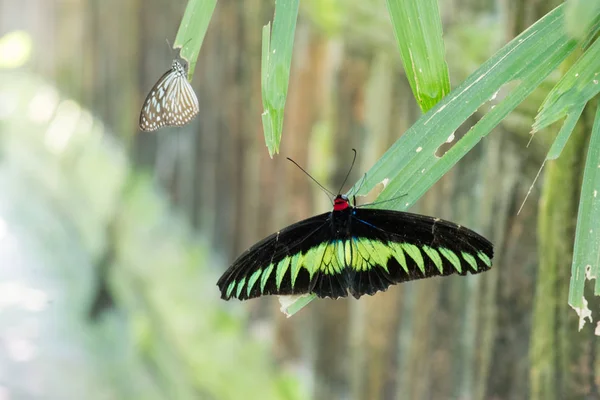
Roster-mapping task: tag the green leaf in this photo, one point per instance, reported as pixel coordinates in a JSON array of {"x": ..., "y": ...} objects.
[
  {"x": 565, "y": 132},
  {"x": 418, "y": 30},
  {"x": 559, "y": 143},
  {"x": 290, "y": 305},
  {"x": 576, "y": 87},
  {"x": 586, "y": 252},
  {"x": 410, "y": 167},
  {"x": 276, "y": 63},
  {"x": 581, "y": 16},
  {"x": 193, "y": 29}
]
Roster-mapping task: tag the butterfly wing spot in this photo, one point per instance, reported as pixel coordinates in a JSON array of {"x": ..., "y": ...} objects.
[
  {"x": 252, "y": 281},
  {"x": 282, "y": 267},
  {"x": 398, "y": 255},
  {"x": 483, "y": 257},
  {"x": 370, "y": 272},
  {"x": 380, "y": 252},
  {"x": 452, "y": 258},
  {"x": 367, "y": 253},
  {"x": 359, "y": 257},
  {"x": 414, "y": 253},
  {"x": 470, "y": 260},
  {"x": 313, "y": 259},
  {"x": 240, "y": 286},
  {"x": 331, "y": 264},
  {"x": 230, "y": 289},
  {"x": 435, "y": 257},
  {"x": 295, "y": 263},
  {"x": 265, "y": 277},
  {"x": 331, "y": 276}
]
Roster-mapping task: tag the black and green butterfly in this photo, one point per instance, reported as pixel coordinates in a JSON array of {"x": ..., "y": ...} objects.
[{"x": 356, "y": 250}]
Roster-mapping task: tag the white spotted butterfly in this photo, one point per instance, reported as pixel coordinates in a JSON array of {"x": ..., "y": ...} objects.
[{"x": 171, "y": 101}]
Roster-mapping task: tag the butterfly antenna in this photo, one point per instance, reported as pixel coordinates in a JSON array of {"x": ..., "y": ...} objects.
[
  {"x": 362, "y": 181},
  {"x": 348, "y": 174},
  {"x": 382, "y": 201},
  {"x": 314, "y": 180}
]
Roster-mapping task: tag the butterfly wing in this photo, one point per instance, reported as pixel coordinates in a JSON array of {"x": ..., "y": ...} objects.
[
  {"x": 299, "y": 259},
  {"x": 171, "y": 101},
  {"x": 383, "y": 248},
  {"x": 153, "y": 114},
  {"x": 390, "y": 247},
  {"x": 181, "y": 102}
]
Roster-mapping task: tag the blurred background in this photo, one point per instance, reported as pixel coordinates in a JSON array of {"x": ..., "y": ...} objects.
[{"x": 112, "y": 240}]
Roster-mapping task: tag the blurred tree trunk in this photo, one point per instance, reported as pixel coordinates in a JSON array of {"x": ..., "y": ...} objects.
[
  {"x": 332, "y": 372},
  {"x": 225, "y": 65},
  {"x": 293, "y": 189},
  {"x": 376, "y": 319},
  {"x": 229, "y": 192},
  {"x": 508, "y": 289}
]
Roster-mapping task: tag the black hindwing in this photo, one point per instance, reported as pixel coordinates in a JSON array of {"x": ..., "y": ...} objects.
[{"x": 415, "y": 247}]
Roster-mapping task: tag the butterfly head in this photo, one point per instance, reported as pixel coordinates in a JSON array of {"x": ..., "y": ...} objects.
[
  {"x": 340, "y": 202},
  {"x": 180, "y": 67}
]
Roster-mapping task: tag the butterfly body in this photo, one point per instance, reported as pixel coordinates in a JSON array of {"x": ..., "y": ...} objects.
[
  {"x": 171, "y": 101},
  {"x": 357, "y": 251}
]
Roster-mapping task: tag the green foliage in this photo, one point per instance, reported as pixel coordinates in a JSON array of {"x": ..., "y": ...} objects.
[
  {"x": 554, "y": 348},
  {"x": 276, "y": 62},
  {"x": 586, "y": 254},
  {"x": 411, "y": 166},
  {"x": 582, "y": 18},
  {"x": 565, "y": 132},
  {"x": 418, "y": 29},
  {"x": 578, "y": 85},
  {"x": 193, "y": 29}
]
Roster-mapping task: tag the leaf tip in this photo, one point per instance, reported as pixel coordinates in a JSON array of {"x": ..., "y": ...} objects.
[{"x": 290, "y": 305}]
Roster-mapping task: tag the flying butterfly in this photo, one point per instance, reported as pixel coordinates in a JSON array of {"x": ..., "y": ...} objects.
[
  {"x": 354, "y": 250},
  {"x": 171, "y": 101}
]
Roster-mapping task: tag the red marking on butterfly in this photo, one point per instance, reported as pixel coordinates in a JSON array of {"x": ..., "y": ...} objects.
[{"x": 340, "y": 203}]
